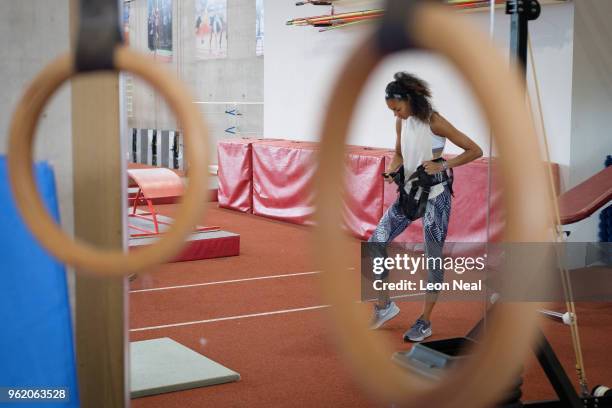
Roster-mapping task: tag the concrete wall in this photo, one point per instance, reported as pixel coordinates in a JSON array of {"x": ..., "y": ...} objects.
[
  {"x": 32, "y": 33},
  {"x": 236, "y": 78},
  {"x": 301, "y": 65}
]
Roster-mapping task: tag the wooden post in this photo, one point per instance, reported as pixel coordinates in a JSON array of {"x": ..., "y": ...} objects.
[{"x": 98, "y": 172}]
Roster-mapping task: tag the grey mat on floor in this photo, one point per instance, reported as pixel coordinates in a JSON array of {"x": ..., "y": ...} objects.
[{"x": 163, "y": 365}]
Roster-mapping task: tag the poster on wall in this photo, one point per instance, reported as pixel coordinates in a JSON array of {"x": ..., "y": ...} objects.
[
  {"x": 259, "y": 28},
  {"x": 159, "y": 25},
  {"x": 211, "y": 29}
]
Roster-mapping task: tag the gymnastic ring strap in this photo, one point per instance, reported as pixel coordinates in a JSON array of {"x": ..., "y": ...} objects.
[
  {"x": 482, "y": 379},
  {"x": 392, "y": 35},
  {"x": 98, "y": 35},
  {"x": 20, "y": 151}
]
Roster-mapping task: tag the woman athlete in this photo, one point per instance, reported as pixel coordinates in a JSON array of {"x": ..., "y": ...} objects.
[{"x": 421, "y": 137}]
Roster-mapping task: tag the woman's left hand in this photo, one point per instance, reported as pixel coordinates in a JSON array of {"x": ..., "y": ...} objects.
[{"x": 432, "y": 168}]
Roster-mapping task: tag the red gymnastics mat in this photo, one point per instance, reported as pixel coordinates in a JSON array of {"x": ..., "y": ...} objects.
[{"x": 203, "y": 243}]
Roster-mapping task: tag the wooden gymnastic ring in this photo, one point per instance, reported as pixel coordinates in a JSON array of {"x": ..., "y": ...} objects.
[
  {"x": 480, "y": 381},
  {"x": 82, "y": 255}
]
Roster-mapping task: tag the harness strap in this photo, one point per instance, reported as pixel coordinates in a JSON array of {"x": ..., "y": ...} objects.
[{"x": 420, "y": 182}]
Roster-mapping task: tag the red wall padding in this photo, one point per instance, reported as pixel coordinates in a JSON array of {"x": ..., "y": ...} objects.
[
  {"x": 276, "y": 163},
  {"x": 363, "y": 190},
  {"x": 235, "y": 174},
  {"x": 283, "y": 172}
]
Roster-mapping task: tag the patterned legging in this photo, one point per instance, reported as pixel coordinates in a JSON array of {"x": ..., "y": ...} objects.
[{"x": 435, "y": 227}]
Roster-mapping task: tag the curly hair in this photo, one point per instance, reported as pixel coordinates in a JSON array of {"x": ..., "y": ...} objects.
[{"x": 413, "y": 89}]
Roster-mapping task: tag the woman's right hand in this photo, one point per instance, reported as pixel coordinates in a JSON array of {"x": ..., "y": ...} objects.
[{"x": 387, "y": 177}]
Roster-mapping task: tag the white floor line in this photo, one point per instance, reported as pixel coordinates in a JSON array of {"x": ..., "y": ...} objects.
[
  {"x": 194, "y": 285},
  {"x": 409, "y": 295},
  {"x": 225, "y": 281},
  {"x": 220, "y": 319}
]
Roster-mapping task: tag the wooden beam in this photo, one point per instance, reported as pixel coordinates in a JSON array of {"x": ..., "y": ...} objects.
[{"x": 98, "y": 171}]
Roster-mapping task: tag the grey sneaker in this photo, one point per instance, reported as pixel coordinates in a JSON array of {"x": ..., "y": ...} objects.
[
  {"x": 419, "y": 331},
  {"x": 383, "y": 315}
]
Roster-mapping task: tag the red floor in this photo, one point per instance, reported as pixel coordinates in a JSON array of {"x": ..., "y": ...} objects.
[{"x": 287, "y": 359}]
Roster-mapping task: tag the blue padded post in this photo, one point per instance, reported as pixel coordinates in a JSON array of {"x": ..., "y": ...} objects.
[{"x": 36, "y": 344}]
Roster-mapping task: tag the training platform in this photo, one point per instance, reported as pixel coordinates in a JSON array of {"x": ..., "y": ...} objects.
[
  {"x": 163, "y": 365},
  {"x": 145, "y": 227}
]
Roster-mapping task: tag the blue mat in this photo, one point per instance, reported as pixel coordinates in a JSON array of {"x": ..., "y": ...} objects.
[{"x": 36, "y": 347}]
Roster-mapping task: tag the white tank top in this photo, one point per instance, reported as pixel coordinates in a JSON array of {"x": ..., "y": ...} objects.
[{"x": 418, "y": 143}]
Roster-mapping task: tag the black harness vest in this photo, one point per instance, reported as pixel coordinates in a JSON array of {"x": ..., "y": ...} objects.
[{"x": 413, "y": 203}]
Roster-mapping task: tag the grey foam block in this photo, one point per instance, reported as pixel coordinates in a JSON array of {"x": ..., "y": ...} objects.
[{"x": 162, "y": 365}]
